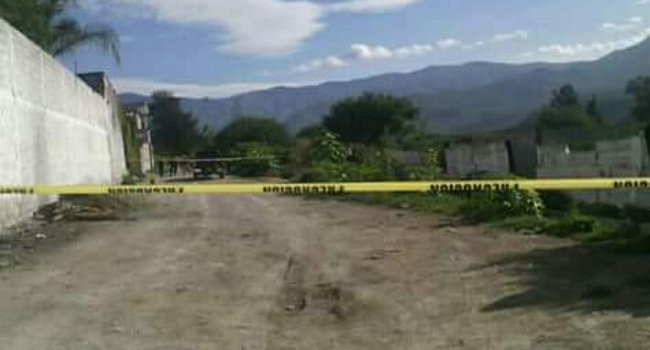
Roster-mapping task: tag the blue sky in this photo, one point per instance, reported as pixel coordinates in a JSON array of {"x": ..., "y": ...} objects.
[{"x": 217, "y": 48}]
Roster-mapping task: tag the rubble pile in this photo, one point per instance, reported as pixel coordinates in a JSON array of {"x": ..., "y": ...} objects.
[{"x": 84, "y": 208}]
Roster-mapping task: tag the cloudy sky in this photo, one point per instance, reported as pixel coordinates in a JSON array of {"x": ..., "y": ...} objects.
[{"x": 217, "y": 48}]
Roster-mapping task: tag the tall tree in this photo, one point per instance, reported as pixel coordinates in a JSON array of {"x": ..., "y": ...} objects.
[
  {"x": 45, "y": 23},
  {"x": 566, "y": 96},
  {"x": 263, "y": 131},
  {"x": 640, "y": 89},
  {"x": 371, "y": 118},
  {"x": 565, "y": 111},
  {"x": 173, "y": 131},
  {"x": 592, "y": 108}
]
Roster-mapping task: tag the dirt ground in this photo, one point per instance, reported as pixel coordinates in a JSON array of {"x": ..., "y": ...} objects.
[{"x": 270, "y": 272}]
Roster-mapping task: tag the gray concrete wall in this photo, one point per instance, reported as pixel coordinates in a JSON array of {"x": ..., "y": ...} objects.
[
  {"x": 524, "y": 145},
  {"x": 53, "y": 128},
  {"x": 468, "y": 158},
  {"x": 613, "y": 158}
]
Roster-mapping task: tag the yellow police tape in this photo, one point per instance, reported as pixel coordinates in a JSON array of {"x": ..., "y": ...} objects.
[{"x": 335, "y": 188}]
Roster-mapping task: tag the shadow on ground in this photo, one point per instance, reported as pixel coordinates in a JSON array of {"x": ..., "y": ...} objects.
[{"x": 576, "y": 278}]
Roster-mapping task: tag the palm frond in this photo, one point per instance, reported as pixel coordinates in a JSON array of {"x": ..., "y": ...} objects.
[
  {"x": 54, "y": 8},
  {"x": 70, "y": 35}
]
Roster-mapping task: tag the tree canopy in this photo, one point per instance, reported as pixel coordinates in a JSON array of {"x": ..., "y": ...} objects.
[
  {"x": 370, "y": 118},
  {"x": 565, "y": 96},
  {"x": 44, "y": 22},
  {"x": 565, "y": 111},
  {"x": 310, "y": 132},
  {"x": 567, "y": 117},
  {"x": 592, "y": 107},
  {"x": 174, "y": 132},
  {"x": 640, "y": 89},
  {"x": 262, "y": 131}
]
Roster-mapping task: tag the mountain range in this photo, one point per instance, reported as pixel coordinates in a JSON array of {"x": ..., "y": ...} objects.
[{"x": 460, "y": 99}]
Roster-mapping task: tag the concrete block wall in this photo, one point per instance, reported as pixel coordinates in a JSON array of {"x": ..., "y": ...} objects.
[
  {"x": 625, "y": 157},
  {"x": 467, "y": 158},
  {"x": 559, "y": 162},
  {"x": 53, "y": 128},
  {"x": 612, "y": 158},
  {"x": 524, "y": 145}
]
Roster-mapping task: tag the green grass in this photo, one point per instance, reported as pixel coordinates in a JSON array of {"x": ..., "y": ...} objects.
[
  {"x": 552, "y": 213},
  {"x": 601, "y": 226},
  {"x": 615, "y": 235}
]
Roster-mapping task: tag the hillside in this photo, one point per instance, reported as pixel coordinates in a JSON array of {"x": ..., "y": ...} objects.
[{"x": 478, "y": 96}]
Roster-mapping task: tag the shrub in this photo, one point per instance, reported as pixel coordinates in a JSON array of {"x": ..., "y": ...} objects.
[
  {"x": 557, "y": 201},
  {"x": 328, "y": 148},
  {"x": 529, "y": 223},
  {"x": 499, "y": 205},
  {"x": 637, "y": 214},
  {"x": 601, "y": 210},
  {"x": 346, "y": 172},
  {"x": 259, "y": 160},
  {"x": 569, "y": 225}
]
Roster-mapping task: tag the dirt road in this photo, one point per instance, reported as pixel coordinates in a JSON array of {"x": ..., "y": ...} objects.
[{"x": 254, "y": 272}]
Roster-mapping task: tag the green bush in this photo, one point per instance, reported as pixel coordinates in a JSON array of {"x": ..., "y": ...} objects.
[
  {"x": 601, "y": 210},
  {"x": 636, "y": 214},
  {"x": 259, "y": 160},
  {"x": 604, "y": 231},
  {"x": 328, "y": 148},
  {"x": 492, "y": 206},
  {"x": 345, "y": 172},
  {"x": 569, "y": 225},
  {"x": 528, "y": 223},
  {"x": 557, "y": 201}
]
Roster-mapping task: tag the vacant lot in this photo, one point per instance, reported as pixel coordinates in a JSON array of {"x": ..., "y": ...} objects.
[{"x": 254, "y": 272}]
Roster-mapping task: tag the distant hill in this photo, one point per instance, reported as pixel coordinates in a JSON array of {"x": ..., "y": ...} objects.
[{"x": 473, "y": 97}]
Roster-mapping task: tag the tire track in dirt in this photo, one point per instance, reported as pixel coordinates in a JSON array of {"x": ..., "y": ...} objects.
[{"x": 279, "y": 272}]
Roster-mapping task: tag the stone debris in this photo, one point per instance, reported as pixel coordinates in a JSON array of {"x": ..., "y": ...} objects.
[
  {"x": 83, "y": 208},
  {"x": 29, "y": 234}
]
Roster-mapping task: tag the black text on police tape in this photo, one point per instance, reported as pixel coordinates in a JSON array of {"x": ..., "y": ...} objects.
[
  {"x": 16, "y": 190},
  {"x": 146, "y": 190},
  {"x": 632, "y": 184},
  {"x": 304, "y": 189},
  {"x": 468, "y": 187}
]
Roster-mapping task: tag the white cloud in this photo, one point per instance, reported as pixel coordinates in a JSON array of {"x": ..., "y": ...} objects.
[
  {"x": 448, "y": 43},
  {"x": 516, "y": 35},
  {"x": 365, "y": 52},
  {"x": 614, "y": 27},
  {"x": 360, "y": 52},
  {"x": 370, "y": 5},
  {"x": 586, "y": 51},
  {"x": 328, "y": 62},
  {"x": 474, "y": 46},
  {"x": 251, "y": 26},
  {"x": 246, "y": 26},
  {"x": 413, "y": 50},
  {"x": 635, "y": 20},
  {"x": 630, "y": 24},
  {"x": 146, "y": 87},
  {"x": 643, "y": 2}
]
